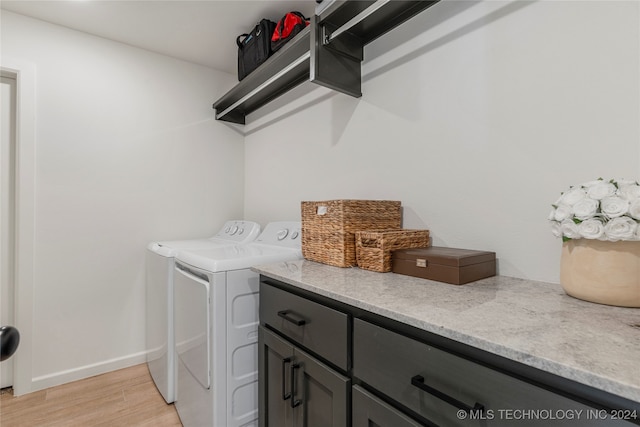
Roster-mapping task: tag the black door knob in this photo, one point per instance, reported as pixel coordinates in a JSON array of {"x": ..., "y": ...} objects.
[{"x": 9, "y": 340}]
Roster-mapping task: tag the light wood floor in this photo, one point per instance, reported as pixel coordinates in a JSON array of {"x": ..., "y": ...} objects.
[{"x": 126, "y": 397}]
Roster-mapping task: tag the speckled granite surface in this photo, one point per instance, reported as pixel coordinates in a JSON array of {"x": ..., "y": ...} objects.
[{"x": 534, "y": 323}]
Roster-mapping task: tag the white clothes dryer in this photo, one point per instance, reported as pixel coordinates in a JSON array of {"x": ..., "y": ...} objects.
[
  {"x": 160, "y": 342},
  {"x": 216, "y": 323}
]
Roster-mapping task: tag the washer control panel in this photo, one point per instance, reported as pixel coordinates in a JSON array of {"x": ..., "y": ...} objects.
[
  {"x": 239, "y": 231},
  {"x": 282, "y": 233}
]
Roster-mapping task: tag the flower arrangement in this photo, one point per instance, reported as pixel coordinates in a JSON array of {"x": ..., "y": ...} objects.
[{"x": 602, "y": 210}]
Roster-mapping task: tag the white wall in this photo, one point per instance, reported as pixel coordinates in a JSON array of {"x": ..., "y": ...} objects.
[
  {"x": 474, "y": 115},
  {"x": 127, "y": 152}
]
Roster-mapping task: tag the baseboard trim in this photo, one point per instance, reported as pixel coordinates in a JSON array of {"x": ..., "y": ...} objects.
[{"x": 80, "y": 373}]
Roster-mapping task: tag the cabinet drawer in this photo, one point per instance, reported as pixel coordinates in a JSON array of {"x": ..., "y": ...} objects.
[
  {"x": 320, "y": 329},
  {"x": 439, "y": 385},
  {"x": 369, "y": 411}
]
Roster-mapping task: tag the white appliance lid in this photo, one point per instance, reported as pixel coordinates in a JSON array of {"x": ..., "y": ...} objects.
[
  {"x": 232, "y": 233},
  {"x": 236, "y": 257},
  {"x": 279, "y": 241}
]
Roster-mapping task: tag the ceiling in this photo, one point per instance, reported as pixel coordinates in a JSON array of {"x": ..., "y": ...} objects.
[{"x": 200, "y": 31}]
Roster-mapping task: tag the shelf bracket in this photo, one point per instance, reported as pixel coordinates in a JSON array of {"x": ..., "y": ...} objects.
[
  {"x": 328, "y": 37},
  {"x": 338, "y": 65}
]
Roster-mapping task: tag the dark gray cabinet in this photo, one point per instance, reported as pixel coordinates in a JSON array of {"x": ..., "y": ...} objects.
[
  {"x": 316, "y": 327},
  {"x": 452, "y": 391},
  {"x": 327, "y": 364},
  {"x": 369, "y": 411},
  {"x": 297, "y": 389},
  {"x": 274, "y": 380}
]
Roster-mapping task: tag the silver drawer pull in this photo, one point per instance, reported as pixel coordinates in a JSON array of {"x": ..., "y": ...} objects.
[
  {"x": 286, "y": 316},
  {"x": 418, "y": 381}
]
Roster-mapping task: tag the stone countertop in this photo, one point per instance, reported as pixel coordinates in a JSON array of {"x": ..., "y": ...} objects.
[{"x": 531, "y": 322}]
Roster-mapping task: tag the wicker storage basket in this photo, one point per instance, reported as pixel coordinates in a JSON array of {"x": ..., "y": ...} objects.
[
  {"x": 373, "y": 247},
  {"x": 328, "y": 227}
]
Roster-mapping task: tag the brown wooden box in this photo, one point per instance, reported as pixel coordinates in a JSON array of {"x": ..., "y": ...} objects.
[{"x": 450, "y": 265}]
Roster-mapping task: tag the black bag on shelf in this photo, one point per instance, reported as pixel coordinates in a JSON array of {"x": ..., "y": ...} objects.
[
  {"x": 286, "y": 29},
  {"x": 254, "y": 48}
]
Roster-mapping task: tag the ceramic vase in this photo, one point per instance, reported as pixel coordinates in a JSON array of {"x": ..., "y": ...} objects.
[{"x": 601, "y": 271}]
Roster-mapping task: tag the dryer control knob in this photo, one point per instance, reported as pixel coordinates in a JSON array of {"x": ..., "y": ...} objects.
[
  {"x": 282, "y": 234},
  {"x": 294, "y": 235},
  {"x": 234, "y": 230},
  {"x": 240, "y": 230}
]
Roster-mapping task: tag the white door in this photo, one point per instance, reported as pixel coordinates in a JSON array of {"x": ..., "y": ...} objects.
[{"x": 7, "y": 209}]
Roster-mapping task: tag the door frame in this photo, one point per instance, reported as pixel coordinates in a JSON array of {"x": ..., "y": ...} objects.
[{"x": 25, "y": 75}]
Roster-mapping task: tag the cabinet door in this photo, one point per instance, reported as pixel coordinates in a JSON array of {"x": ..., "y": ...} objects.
[
  {"x": 319, "y": 394},
  {"x": 369, "y": 411},
  {"x": 274, "y": 367}
]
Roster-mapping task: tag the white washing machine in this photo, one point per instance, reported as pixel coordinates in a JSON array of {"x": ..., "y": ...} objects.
[
  {"x": 216, "y": 322},
  {"x": 159, "y": 297}
]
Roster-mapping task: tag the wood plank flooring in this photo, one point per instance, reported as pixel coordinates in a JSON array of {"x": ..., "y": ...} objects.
[{"x": 127, "y": 397}]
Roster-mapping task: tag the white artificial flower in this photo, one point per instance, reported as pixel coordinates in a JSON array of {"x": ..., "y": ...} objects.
[
  {"x": 562, "y": 212},
  {"x": 634, "y": 209},
  {"x": 592, "y": 183},
  {"x": 601, "y": 190},
  {"x": 569, "y": 229},
  {"x": 629, "y": 191},
  {"x": 599, "y": 209},
  {"x": 621, "y": 228},
  {"x": 591, "y": 229},
  {"x": 585, "y": 208},
  {"x": 572, "y": 196},
  {"x": 556, "y": 230},
  {"x": 614, "y": 206}
]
